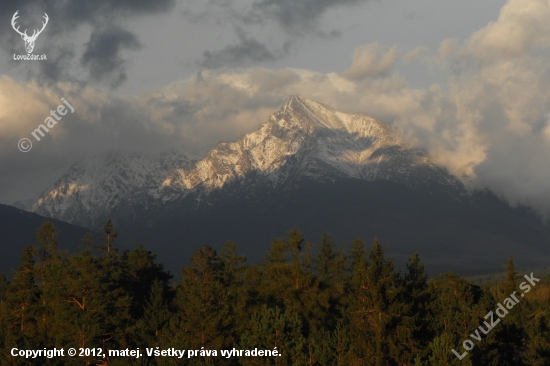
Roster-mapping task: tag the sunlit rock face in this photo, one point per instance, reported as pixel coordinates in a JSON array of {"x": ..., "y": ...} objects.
[{"x": 304, "y": 139}]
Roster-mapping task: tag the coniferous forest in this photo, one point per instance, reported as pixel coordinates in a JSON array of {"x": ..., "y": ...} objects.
[{"x": 329, "y": 305}]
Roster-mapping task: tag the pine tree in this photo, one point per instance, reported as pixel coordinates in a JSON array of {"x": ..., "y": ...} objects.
[
  {"x": 416, "y": 315},
  {"x": 510, "y": 336},
  {"x": 4, "y": 318},
  {"x": 287, "y": 276},
  {"x": 22, "y": 303},
  {"x": 457, "y": 309},
  {"x": 4, "y": 286},
  {"x": 329, "y": 263},
  {"x": 97, "y": 305},
  {"x": 330, "y": 267},
  {"x": 239, "y": 296},
  {"x": 86, "y": 243},
  {"x": 441, "y": 352},
  {"x": 108, "y": 248},
  {"x": 538, "y": 347},
  {"x": 289, "y": 259},
  {"x": 202, "y": 301},
  {"x": 46, "y": 242},
  {"x": 51, "y": 276},
  {"x": 274, "y": 328},
  {"x": 156, "y": 315},
  {"x": 376, "y": 314},
  {"x": 327, "y": 311},
  {"x": 358, "y": 257},
  {"x": 511, "y": 277},
  {"x": 234, "y": 265},
  {"x": 357, "y": 304},
  {"x": 139, "y": 274},
  {"x": 340, "y": 343}
]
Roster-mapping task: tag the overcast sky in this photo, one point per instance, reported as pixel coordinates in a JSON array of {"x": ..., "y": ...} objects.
[{"x": 467, "y": 80}]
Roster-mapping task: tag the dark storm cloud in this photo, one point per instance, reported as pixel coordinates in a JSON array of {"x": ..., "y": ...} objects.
[
  {"x": 296, "y": 19},
  {"x": 65, "y": 20},
  {"x": 297, "y": 16},
  {"x": 72, "y": 14},
  {"x": 58, "y": 63},
  {"x": 56, "y": 69},
  {"x": 292, "y": 15},
  {"x": 102, "y": 55},
  {"x": 246, "y": 51}
]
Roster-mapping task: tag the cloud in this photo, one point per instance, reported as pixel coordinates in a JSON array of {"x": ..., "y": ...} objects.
[
  {"x": 522, "y": 26},
  {"x": 68, "y": 19},
  {"x": 71, "y": 14},
  {"x": 297, "y": 17},
  {"x": 489, "y": 120},
  {"x": 416, "y": 54},
  {"x": 247, "y": 51},
  {"x": 196, "y": 112},
  {"x": 287, "y": 20},
  {"x": 371, "y": 61},
  {"x": 58, "y": 63},
  {"x": 102, "y": 54}
]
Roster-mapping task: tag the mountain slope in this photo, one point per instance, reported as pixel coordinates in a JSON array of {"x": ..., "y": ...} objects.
[
  {"x": 94, "y": 187},
  {"x": 308, "y": 166},
  {"x": 18, "y": 229},
  {"x": 309, "y": 139},
  {"x": 304, "y": 139}
]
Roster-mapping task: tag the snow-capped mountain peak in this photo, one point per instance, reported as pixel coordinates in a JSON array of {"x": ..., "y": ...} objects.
[{"x": 303, "y": 140}]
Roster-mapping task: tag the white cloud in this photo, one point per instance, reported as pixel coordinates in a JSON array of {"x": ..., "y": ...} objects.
[
  {"x": 489, "y": 120},
  {"x": 522, "y": 26},
  {"x": 370, "y": 61}
]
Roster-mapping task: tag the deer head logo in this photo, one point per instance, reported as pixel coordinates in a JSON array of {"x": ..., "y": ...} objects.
[{"x": 29, "y": 41}]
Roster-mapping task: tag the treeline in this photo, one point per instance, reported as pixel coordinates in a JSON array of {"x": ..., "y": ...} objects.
[{"x": 335, "y": 307}]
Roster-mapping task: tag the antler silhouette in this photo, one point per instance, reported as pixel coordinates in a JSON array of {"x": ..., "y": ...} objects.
[
  {"x": 36, "y": 32},
  {"x": 45, "y": 16},
  {"x": 13, "y": 19}
]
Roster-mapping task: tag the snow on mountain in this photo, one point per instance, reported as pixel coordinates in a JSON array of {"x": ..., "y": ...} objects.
[
  {"x": 25, "y": 205},
  {"x": 305, "y": 139},
  {"x": 94, "y": 187},
  {"x": 311, "y": 137}
]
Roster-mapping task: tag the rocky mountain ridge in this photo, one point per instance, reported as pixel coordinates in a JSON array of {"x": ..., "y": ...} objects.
[
  {"x": 304, "y": 139},
  {"x": 308, "y": 166}
]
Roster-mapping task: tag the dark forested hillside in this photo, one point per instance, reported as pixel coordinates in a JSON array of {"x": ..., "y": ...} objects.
[
  {"x": 470, "y": 234},
  {"x": 307, "y": 166},
  {"x": 329, "y": 306},
  {"x": 18, "y": 229}
]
